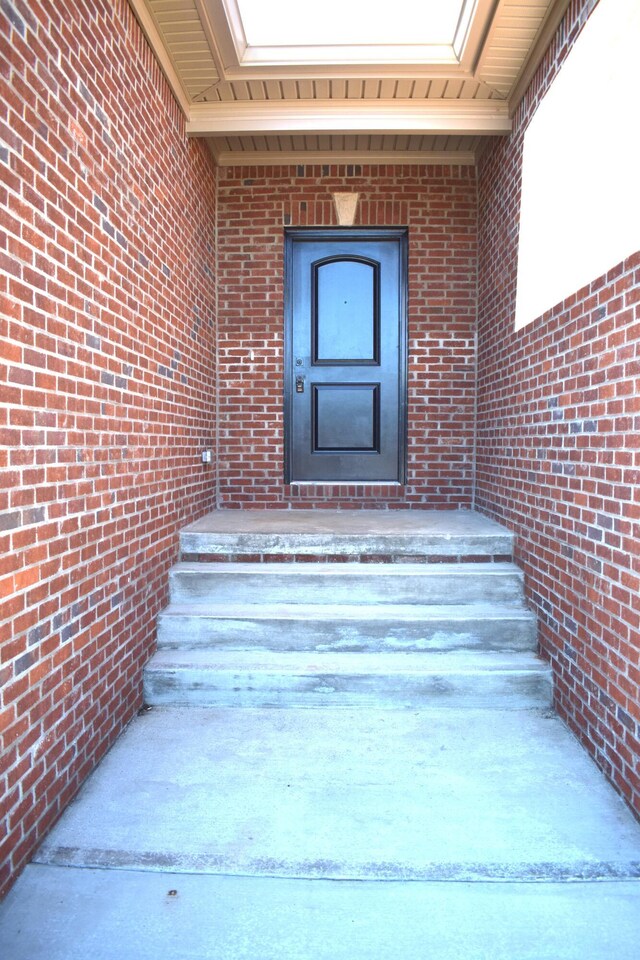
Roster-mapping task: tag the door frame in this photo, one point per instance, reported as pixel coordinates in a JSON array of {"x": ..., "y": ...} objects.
[{"x": 401, "y": 234}]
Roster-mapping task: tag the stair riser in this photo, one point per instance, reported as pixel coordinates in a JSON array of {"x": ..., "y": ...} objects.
[
  {"x": 197, "y": 632},
  {"x": 353, "y": 588},
  {"x": 355, "y": 545},
  {"x": 198, "y": 687}
]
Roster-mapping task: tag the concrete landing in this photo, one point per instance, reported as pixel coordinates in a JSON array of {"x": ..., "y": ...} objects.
[
  {"x": 345, "y": 794},
  {"x": 442, "y": 533}
]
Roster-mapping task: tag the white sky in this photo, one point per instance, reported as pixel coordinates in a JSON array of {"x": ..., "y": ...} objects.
[
  {"x": 580, "y": 213},
  {"x": 298, "y": 22}
]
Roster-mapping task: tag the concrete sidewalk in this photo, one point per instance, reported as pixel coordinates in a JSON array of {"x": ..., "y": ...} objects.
[
  {"x": 221, "y": 834},
  {"x": 57, "y": 913}
]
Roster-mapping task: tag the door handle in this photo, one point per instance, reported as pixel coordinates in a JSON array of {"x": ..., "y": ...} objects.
[{"x": 299, "y": 384}]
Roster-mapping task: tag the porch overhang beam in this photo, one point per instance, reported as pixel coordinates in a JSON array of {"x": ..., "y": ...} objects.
[{"x": 442, "y": 117}]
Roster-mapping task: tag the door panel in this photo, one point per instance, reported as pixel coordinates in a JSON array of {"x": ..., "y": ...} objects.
[
  {"x": 333, "y": 431},
  {"x": 346, "y": 314},
  {"x": 345, "y": 355}
]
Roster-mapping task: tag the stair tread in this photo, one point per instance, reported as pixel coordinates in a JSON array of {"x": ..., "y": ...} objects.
[
  {"x": 375, "y": 663},
  {"x": 412, "y": 612},
  {"x": 440, "y": 523}
]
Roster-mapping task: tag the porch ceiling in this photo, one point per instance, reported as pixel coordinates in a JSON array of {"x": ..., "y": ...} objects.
[{"x": 420, "y": 102}]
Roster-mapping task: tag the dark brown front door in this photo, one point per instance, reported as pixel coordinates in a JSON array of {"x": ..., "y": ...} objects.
[{"x": 346, "y": 355}]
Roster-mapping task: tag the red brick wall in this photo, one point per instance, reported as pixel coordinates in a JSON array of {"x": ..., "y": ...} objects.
[
  {"x": 559, "y": 457},
  {"x": 438, "y": 204},
  {"x": 106, "y": 391}
]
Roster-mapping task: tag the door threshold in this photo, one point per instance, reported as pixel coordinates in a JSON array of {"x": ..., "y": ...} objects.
[{"x": 345, "y": 483}]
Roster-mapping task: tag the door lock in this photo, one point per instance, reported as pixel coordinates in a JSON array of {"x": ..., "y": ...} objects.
[{"x": 299, "y": 384}]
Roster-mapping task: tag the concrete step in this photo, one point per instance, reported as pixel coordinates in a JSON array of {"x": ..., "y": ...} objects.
[
  {"x": 380, "y": 680},
  {"x": 347, "y": 627},
  {"x": 296, "y": 583},
  {"x": 352, "y": 533}
]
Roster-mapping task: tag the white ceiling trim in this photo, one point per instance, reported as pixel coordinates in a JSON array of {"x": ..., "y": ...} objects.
[
  {"x": 448, "y": 117},
  {"x": 239, "y": 60},
  {"x": 326, "y": 55},
  {"x": 472, "y": 28},
  {"x": 351, "y": 71}
]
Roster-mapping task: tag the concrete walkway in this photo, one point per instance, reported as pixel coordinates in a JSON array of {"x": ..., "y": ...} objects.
[
  {"x": 258, "y": 834},
  {"x": 77, "y": 914}
]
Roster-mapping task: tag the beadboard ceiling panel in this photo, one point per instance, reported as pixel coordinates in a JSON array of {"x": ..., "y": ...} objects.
[
  {"x": 347, "y": 148},
  {"x": 186, "y": 43},
  {"x": 512, "y": 34},
  {"x": 348, "y": 89}
]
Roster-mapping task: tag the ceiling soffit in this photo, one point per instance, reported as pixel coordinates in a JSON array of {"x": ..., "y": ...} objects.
[{"x": 233, "y": 93}]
